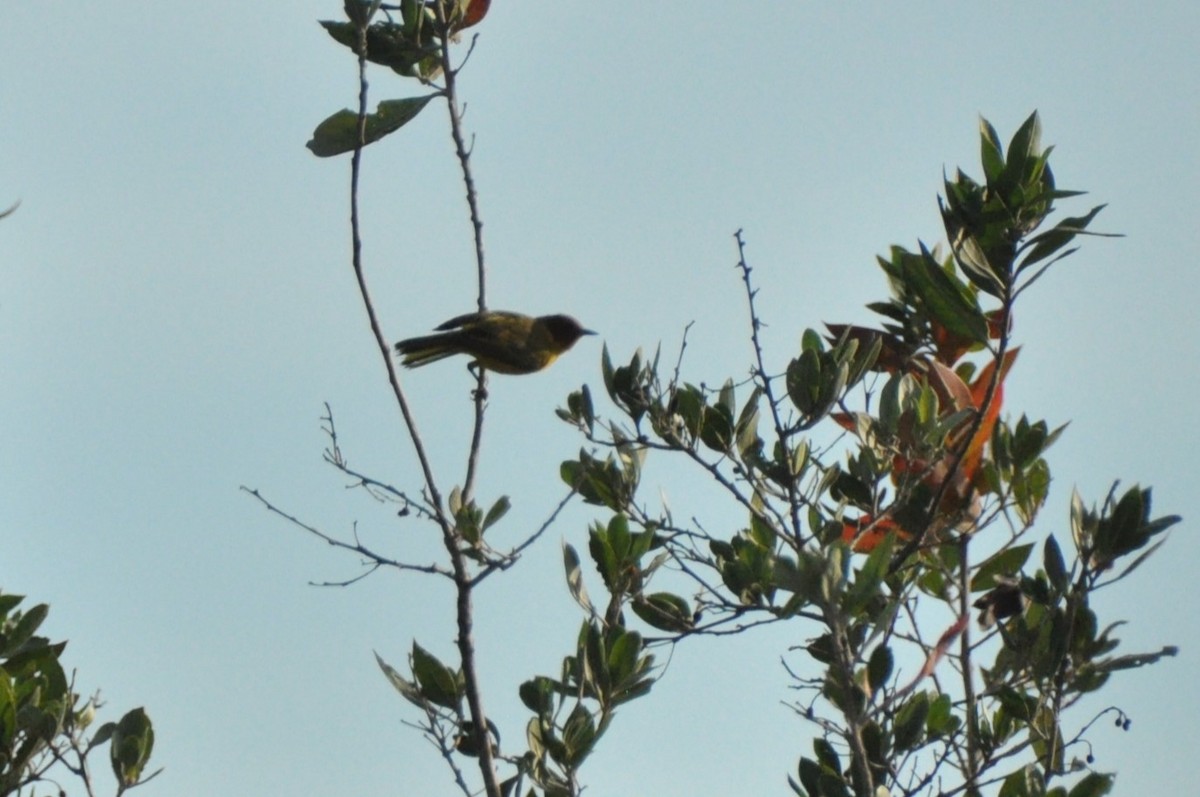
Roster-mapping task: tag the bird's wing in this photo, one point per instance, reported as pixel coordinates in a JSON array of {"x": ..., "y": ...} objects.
[{"x": 459, "y": 321}]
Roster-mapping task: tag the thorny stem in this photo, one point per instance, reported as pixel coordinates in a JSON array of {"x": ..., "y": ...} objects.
[{"x": 793, "y": 497}]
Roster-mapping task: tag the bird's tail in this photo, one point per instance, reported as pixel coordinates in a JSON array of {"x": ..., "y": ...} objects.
[{"x": 424, "y": 350}]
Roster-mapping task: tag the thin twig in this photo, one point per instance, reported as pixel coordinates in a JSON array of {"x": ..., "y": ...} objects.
[
  {"x": 462, "y": 578},
  {"x": 450, "y": 92},
  {"x": 360, "y": 278},
  {"x": 510, "y": 558},
  {"x": 377, "y": 560}
]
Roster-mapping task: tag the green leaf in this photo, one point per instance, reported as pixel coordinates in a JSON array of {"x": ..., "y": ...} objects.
[
  {"x": 388, "y": 45},
  {"x": 407, "y": 689},
  {"x": 717, "y": 430},
  {"x": 827, "y": 756},
  {"x": 132, "y": 743},
  {"x": 1142, "y": 557},
  {"x": 24, "y": 629},
  {"x": 497, "y": 511},
  {"x": 1018, "y": 705},
  {"x": 1024, "y": 782},
  {"x": 538, "y": 695},
  {"x": 834, "y": 785},
  {"x": 909, "y": 725},
  {"x": 1056, "y": 567},
  {"x": 619, "y": 537},
  {"x": 822, "y": 649},
  {"x": 664, "y": 611},
  {"x": 575, "y": 579},
  {"x": 1045, "y": 244},
  {"x": 339, "y": 133},
  {"x": 873, "y": 571},
  {"x": 746, "y": 429},
  {"x": 927, "y": 404},
  {"x": 104, "y": 733},
  {"x": 1093, "y": 784},
  {"x": 1005, "y": 563},
  {"x": 1030, "y": 488},
  {"x": 798, "y": 460},
  {"x": 9, "y": 602},
  {"x": 811, "y": 341},
  {"x": 623, "y": 653},
  {"x": 1024, "y": 148},
  {"x": 607, "y": 370},
  {"x": 810, "y": 776},
  {"x": 940, "y": 720},
  {"x": 1029, "y": 440},
  {"x": 439, "y": 684},
  {"x": 849, "y": 487},
  {"x": 893, "y": 398},
  {"x": 1046, "y": 737},
  {"x": 579, "y": 735},
  {"x": 879, "y": 667},
  {"x": 726, "y": 397},
  {"x": 1134, "y": 660},
  {"x": 804, "y": 381},
  {"x": 991, "y": 153},
  {"x": 943, "y": 299},
  {"x": 586, "y": 410},
  {"x": 594, "y": 652}
]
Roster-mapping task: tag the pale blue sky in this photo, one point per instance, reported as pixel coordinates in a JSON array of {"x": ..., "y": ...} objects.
[{"x": 176, "y": 303}]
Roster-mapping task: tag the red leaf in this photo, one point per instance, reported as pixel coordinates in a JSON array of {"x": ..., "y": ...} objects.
[
  {"x": 974, "y": 452},
  {"x": 866, "y": 533},
  {"x": 476, "y": 11},
  {"x": 844, "y": 420},
  {"x": 943, "y": 644}
]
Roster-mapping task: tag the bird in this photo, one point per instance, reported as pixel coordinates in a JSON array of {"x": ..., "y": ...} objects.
[{"x": 500, "y": 341}]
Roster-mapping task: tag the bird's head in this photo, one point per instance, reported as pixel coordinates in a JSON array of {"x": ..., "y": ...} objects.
[{"x": 564, "y": 329}]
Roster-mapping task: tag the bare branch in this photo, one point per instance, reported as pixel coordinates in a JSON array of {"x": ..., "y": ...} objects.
[{"x": 376, "y": 560}]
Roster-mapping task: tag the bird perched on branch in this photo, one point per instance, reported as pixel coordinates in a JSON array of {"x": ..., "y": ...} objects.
[{"x": 507, "y": 343}]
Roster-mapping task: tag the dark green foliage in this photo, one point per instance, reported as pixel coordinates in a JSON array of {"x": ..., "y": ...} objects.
[
  {"x": 339, "y": 133},
  {"x": 908, "y": 512},
  {"x": 42, "y": 721}
]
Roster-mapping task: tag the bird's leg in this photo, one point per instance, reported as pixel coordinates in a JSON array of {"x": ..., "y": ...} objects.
[{"x": 480, "y": 393}]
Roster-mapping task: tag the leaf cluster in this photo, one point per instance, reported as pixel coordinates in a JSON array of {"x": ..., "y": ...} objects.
[
  {"x": 931, "y": 485},
  {"x": 410, "y": 40},
  {"x": 43, "y": 723},
  {"x": 877, "y": 543}
]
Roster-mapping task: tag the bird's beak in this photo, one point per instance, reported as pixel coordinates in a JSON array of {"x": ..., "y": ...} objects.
[{"x": 588, "y": 332}]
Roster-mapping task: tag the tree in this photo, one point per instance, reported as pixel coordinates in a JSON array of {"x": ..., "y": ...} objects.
[
  {"x": 44, "y": 726},
  {"x": 931, "y": 501},
  {"x": 886, "y": 500}
]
